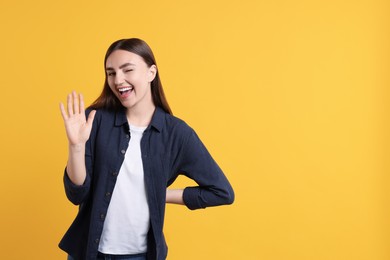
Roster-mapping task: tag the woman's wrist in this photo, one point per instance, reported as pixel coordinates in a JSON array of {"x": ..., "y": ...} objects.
[{"x": 76, "y": 148}]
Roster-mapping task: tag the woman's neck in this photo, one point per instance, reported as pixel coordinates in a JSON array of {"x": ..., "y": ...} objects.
[{"x": 140, "y": 116}]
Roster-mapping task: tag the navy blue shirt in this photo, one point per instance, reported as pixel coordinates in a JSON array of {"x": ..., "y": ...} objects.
[{"x": 169, "y": 147}]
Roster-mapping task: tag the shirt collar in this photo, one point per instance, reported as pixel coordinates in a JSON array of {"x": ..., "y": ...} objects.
[{"x": 157, "y": 119}]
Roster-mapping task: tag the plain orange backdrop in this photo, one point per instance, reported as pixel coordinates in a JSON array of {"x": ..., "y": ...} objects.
[{"x": 298, "y": 89}]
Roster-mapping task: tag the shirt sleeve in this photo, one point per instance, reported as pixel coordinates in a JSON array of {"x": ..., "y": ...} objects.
[
  {"x": 213, "y": 187},
  {"x": 77, "y": 194}
]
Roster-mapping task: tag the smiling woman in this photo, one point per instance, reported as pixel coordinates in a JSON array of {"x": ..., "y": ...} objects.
[
  {"x": 123, "y": 157},
  {"x": 129, "y": 78},
  {"x": 136, "y": 54}
]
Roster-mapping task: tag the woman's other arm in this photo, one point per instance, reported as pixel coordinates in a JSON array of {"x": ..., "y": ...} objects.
[{"x": 213, "y": 187}]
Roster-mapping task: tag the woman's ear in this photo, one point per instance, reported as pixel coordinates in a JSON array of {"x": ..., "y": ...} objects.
[{"x": 152, "y": 73}]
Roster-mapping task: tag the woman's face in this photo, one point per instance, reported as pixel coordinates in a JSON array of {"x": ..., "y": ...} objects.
[{"x": 129, "y": 78}]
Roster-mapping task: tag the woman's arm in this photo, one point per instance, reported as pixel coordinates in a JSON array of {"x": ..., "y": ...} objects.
[
  {"x": 78, "y": 130},
  {"x": 213, "y": 187},
  {"x": 75, "y": 167}
]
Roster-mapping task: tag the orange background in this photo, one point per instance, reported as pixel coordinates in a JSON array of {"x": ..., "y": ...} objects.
[{"x": 290, "y": 97}]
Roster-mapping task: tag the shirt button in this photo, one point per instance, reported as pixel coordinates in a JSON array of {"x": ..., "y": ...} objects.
[
  {"x": 97, "y": 240},
  {"x": 114, "y": 174},
  {"x": 101, "y": 216},
  {"x": 108, "y": 194},
  {"x": 123, "y": 151},
  {"x": 127, "y": 136}
]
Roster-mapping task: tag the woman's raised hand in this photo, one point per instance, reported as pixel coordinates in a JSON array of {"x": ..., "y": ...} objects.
[{"x": 78, "y": 129}]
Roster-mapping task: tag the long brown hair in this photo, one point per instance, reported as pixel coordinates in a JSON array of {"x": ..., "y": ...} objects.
[{"x": 108, "y": 100}]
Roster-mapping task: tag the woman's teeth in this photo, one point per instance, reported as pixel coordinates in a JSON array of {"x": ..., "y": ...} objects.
[{"x": 123, "y": 90}]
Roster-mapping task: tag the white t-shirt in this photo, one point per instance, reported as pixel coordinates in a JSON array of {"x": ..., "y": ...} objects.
[{"x": 127, "y": 221}]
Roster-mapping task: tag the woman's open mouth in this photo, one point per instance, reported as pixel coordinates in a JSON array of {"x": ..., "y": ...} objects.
[{"x": 125, "y": 92}]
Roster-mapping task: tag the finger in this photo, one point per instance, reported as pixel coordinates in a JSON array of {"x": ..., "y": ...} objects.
[
  {"x": 63, "y": 112},
  {"x": 76, "y": 107},
  {"x": 91, "y": 116},
  {"x": 82, "y": 109},
  {"x": 70, "y": 105}
]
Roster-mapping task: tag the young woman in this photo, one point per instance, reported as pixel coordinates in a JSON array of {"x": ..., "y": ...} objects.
[{"x": 124, "y": 152}]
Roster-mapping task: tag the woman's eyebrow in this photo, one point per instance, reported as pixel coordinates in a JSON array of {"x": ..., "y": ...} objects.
[{"x": 122, "y": 66}]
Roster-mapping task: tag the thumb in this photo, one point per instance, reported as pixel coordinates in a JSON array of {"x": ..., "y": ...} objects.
[{"x": 91, "y": 116}]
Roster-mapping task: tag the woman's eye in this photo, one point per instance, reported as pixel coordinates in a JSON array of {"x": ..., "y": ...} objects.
[
  {"x": 128, "y": 70},
  {"x": 110, "y": 74}
]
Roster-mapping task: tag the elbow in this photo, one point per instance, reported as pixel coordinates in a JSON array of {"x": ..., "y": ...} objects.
[
  {"x": 225, "y": 196},
  {"x": 229, "y": 197}
]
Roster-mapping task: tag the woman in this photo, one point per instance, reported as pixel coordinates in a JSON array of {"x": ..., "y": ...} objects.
[{"x": 124, "y": 152}]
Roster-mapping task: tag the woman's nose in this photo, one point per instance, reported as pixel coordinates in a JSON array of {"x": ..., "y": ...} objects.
[{"x": 119, "y": 79}]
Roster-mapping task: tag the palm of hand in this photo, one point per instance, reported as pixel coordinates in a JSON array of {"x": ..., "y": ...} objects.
[{"x": 78, "y": 129}]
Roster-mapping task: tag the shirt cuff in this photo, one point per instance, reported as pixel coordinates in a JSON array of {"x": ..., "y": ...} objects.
[
  {"x": 191, "y": 198},
  {"x": 75, "y": 193}
]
